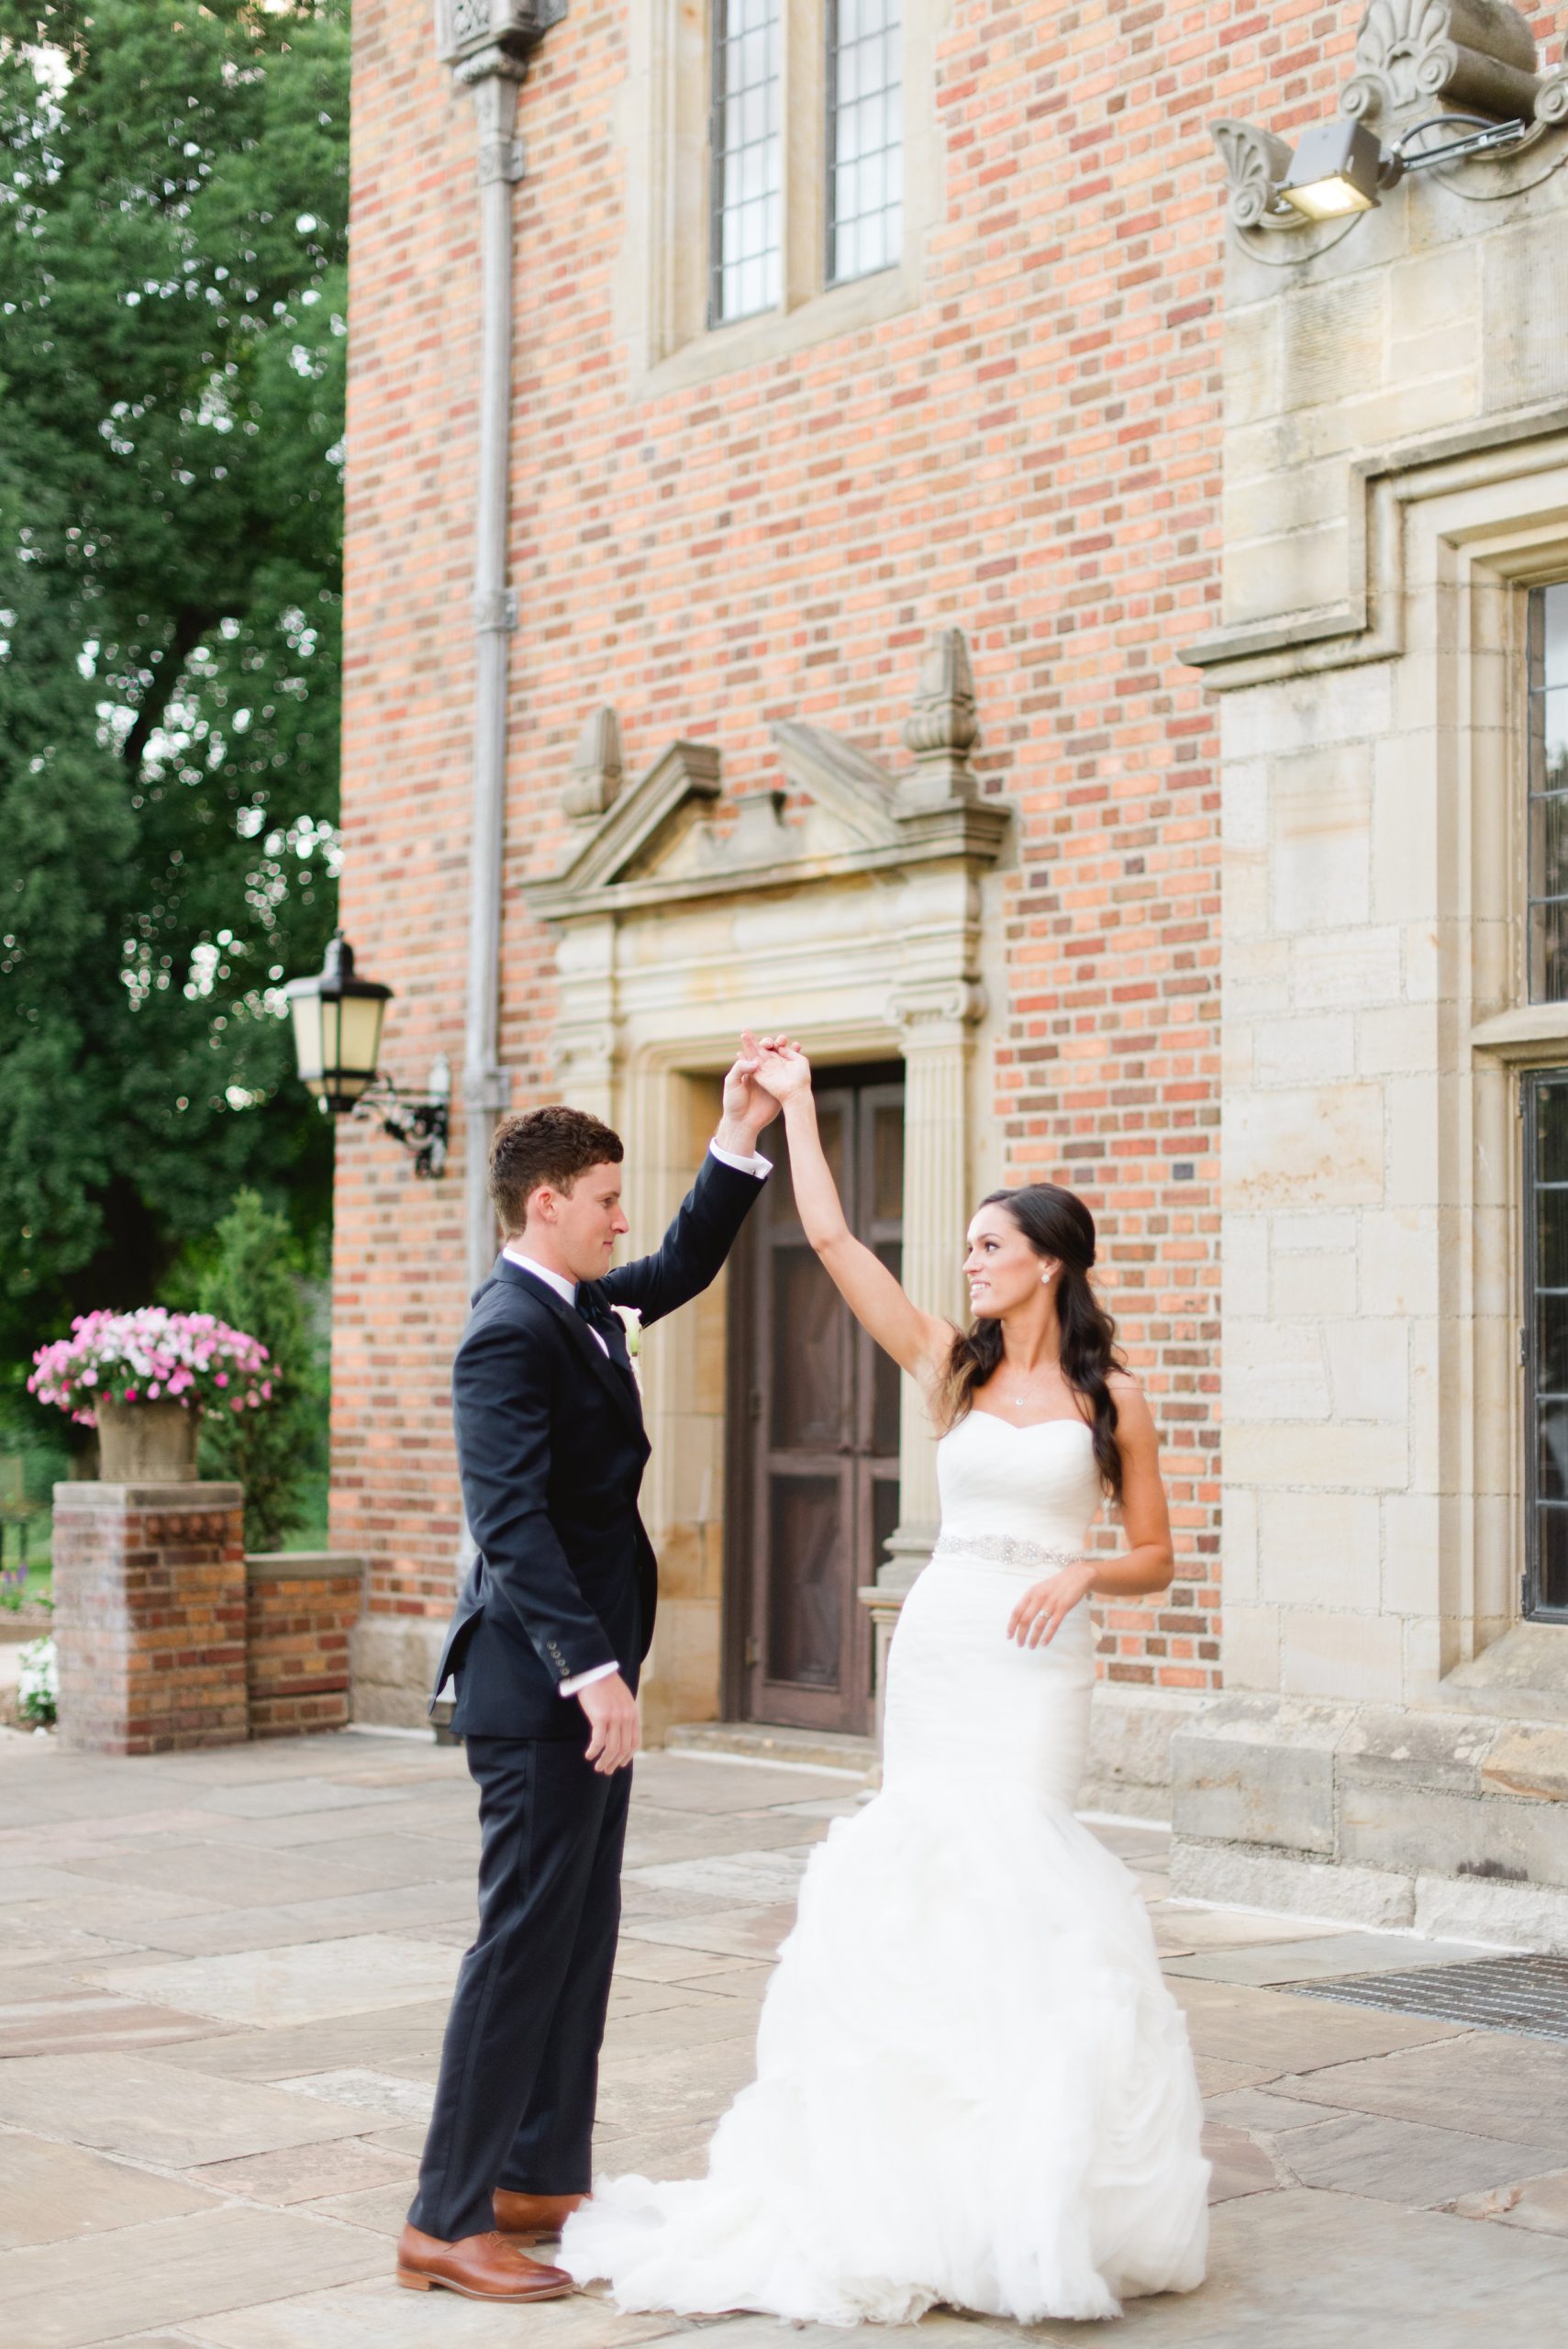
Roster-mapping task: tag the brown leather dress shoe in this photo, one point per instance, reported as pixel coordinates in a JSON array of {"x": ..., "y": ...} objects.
[
  {"x": 482, "y": 2268},
  {"x": 532, "y": 2218}
]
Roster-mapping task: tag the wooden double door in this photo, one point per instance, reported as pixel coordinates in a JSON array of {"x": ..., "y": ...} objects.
[{"x": 814, "y": 1422}]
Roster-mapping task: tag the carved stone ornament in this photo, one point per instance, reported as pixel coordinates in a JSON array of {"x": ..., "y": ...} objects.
[
  {"x": 942, "y": 728},
  {"x": 938, "y": 1004},
  {"x": 595, "y": 782},
  {"x": 466, "y": 29},
  {"x": 1255, "y": 163},
  {"x": 1475, "y": 54},
  {"x": 1551, "y": 98}
]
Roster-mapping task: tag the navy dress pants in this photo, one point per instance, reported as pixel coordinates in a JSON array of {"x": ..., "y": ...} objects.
[{"x": 520, "y": 2060}]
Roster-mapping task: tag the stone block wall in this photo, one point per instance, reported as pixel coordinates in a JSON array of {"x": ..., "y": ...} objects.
[
  {"x": 1451, "y": 1825},
  {"x": 1396, "y": 478},
  {"x": 301, "y": 1608},
  {"x": 149, "y": 1615},
  {"x": 1394, "y": 460}
]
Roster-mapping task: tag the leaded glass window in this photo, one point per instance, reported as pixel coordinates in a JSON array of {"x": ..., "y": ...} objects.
[
  {"x": 1548, "y": 886},
  {"x": 865, "y": 137},
  {"x": 1546, "y": 1340},
  {"x": 746, "y": 267}
]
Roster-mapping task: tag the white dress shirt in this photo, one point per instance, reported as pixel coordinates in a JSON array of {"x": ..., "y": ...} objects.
[{"x": 567, "y": 1291}]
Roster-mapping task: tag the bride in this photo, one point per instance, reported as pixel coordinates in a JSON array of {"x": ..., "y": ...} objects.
[{"x": 972, "y": 2085}]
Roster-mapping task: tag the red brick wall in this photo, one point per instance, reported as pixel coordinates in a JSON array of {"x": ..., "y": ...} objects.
[
  {"x": 398, "y": 1297},
  {"x": 299, "y": 1612},
  {"x": 150, "y": 1617},
  {"x": 1033, "y": 453}
]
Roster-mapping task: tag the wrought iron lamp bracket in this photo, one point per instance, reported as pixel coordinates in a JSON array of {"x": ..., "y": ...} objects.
[{"x": 421, "y": 1122}]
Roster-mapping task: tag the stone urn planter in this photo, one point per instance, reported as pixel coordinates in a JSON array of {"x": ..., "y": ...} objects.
[
  {"x": 143, "y": 1379},
  {"x": 147, "y": 1443}
]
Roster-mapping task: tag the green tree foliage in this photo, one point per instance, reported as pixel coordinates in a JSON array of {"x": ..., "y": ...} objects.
[
  {"x": 251, "y": 1283},
  {"x": 173, "y": 197}
]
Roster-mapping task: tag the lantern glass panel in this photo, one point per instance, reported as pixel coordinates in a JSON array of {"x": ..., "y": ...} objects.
[
  {"x": 307, "y": 1011},
  {"x": 360, "y": 1038}
]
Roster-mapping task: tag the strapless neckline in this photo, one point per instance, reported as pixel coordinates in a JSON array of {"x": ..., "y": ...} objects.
[{"x": 1031, "y": 1427}]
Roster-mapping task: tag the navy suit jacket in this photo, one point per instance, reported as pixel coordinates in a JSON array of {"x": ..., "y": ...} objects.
[{"x": 551, "y": 1450}]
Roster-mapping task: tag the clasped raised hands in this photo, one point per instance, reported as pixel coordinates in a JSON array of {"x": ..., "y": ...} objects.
[{"x": 781, "y": 1067}]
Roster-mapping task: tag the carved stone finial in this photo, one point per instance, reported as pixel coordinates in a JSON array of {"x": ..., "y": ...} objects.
[
  {"x": 942, "y": 729},
  {"x": 1255, "y": 163},
  {"x": 1478, "y": 54},
  {"x": 596, "y": 769}
]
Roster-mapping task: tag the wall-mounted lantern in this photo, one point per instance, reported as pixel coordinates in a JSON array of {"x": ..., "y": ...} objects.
[{"x": 337, "y": 1041}]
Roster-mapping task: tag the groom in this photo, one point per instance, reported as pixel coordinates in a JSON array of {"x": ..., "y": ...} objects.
[{"x": 551, "y": 1628}]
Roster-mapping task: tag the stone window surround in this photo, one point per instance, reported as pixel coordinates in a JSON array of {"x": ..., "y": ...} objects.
[
  {"x": 662, "y": 275},
  {"x": 1445, "y": 537},
  {"x": 1434, "y": 524},
  {"x": 1486, "y": 529}
]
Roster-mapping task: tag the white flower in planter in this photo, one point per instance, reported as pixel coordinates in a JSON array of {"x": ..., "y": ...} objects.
[{"x": 38, "y": 1684}]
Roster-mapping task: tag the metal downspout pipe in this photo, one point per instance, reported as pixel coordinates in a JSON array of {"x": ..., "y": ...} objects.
[
  {"x": 487, "y": 1088},
  {"x": 488, "y": 44}
]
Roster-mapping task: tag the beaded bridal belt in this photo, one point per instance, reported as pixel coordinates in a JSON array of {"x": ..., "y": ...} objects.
[{"x": 1003, "y": 1549}]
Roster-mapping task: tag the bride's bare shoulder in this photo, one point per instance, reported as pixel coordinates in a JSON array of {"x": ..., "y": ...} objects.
[{"x": 1134, "y": 1417}]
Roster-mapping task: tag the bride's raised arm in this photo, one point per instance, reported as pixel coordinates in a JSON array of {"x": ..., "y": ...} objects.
[{"x": 919, "y": 1343}]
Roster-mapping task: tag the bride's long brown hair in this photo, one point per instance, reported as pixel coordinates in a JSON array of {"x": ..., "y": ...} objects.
[{"x": 1055, "y": 1224}]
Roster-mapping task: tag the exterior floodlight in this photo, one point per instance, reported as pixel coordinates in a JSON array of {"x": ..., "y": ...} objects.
[{"x": 1339, "y": 168}]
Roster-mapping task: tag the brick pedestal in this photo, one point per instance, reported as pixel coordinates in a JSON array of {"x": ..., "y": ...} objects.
[
  {"x": 149, "y": 1615},
  {"x": 300, "y": 1609}
]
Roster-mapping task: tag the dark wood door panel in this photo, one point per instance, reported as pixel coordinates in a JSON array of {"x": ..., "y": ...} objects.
[
  {"x": 805, "y": 1642},
  {"x": 814, "y": 1455}
]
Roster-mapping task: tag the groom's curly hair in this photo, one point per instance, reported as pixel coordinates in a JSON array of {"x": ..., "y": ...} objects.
[{"x": 552, "y": 1145}]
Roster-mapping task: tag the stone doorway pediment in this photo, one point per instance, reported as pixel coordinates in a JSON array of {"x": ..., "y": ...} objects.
[{"x": 834, "y": 812}]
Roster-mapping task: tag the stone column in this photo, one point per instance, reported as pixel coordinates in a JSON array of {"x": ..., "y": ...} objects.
[
  {"x": 149, "y": 1615},
  {"x": 936, "y": 1024}
]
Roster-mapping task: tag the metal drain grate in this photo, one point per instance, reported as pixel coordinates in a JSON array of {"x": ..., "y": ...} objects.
[{"x": 1525, "y": 1994}]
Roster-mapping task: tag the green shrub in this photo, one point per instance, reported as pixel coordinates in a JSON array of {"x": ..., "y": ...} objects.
[{"x": 253, "y": 1280}]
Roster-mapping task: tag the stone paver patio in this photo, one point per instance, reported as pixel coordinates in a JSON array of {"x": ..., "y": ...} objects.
[{"x": 223, "y": 1979}]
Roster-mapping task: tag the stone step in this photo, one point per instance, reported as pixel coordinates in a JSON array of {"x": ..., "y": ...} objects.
[{"x": 800, "y": 1749}]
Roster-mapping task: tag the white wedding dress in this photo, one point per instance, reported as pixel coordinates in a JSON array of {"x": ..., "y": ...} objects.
[{"x": 972, "y": 2085}]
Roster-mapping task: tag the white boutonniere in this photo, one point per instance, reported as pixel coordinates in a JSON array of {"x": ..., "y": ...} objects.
[{"x": 631, "y": 1320}]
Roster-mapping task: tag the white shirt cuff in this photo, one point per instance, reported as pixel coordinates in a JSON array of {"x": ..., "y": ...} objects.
[
  {"x": 757, "y": 1165},
  {"x": 587, "y": 1679}
]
